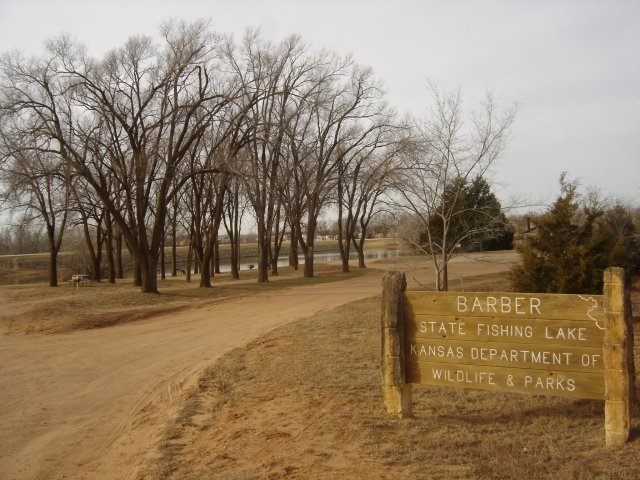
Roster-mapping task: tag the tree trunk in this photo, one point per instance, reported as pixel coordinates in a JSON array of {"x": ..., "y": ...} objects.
[
  {"x": 212, "y": 239},
  {"x": 274, "y": 260},
  {"x": 213, "y": 262},
  {"x": 205, "y": 263},
  {"x": 343, "y": 246},
  {"x": 235, "y": 274},
  {"x": 344, "y": 255},
  {"x": 445, "y": 272},
  {"x": 308, "y": 262},
  {"x": 111, "y": 269},
  {"x": 174, "y": 240},
  {"x": 137, "y": 274},
  {"x": 163, "y": 273},
  {"x": 445, "y": 278},
  {"x": 53, "y": 267},
  {"x": 119, "y": 267},
  {"x": 174, "y": 254},
  {"x": 264, "y": 244},
  {"x": 293, "y": 248},
  {"x": 234, "y": 236},
  {"x": 263, "y": 261},
  {"x": 149, "y": 273},
  {"x": 308, "y": 247},
  {"x": 234, "y": 249},
  {"x": 216, "y": 257},
  {"x": 274, "y": 251},
  {"x": 359, "y": 245},
  {"x": 275, "y": 254},
  {"x": 230, "y": 228},
  {"x": 442, "y": 276},
  {"x": 278, "y": 237},
  {"x": 189, "y": 261},
  {"x": 97, "y": 269},
  {"x": 196, "y": 262}
]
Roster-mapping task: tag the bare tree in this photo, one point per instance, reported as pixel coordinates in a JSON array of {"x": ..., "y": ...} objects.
[
  {"x": 363, "y": 177},
  {"x": 153, "y": 104},
  {"x": 200, "y": 122},
  {"x": 235, "y": 208},
  {"x": 347, "y": 111},
  {"x": 434, "y": 174},
  {"x": 37, "y": 183},
  {"x": 272, "y": 77}
]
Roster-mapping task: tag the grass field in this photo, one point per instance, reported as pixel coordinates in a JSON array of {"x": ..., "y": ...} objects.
[
  {"x": 42, "y": 309},
  {"x": 305, "y": 402}
]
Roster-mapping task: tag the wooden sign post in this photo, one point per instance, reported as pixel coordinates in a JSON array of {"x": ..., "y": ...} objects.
[
  {"x": 619, "y": 368},
  {"x": 577, "y": 346}
]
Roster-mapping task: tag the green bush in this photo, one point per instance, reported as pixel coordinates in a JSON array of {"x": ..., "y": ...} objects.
[{"x": 572, "y": 245}]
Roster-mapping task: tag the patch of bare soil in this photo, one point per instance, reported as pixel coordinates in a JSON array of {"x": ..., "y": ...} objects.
[{"x": 304, "y": 402}]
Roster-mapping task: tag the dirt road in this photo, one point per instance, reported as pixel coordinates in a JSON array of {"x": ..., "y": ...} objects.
[{"x": 92, "y": 404}]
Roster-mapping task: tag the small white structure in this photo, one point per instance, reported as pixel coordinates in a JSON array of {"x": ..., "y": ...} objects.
[{"x": 80, "y": 279}]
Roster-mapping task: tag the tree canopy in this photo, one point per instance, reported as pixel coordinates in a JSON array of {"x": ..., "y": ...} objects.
[{"x": 191, "y": 129}]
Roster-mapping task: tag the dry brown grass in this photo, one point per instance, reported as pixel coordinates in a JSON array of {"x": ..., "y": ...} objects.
[
  {"x": 305, "y": 402},
  {"x": 42, "y": 309}
]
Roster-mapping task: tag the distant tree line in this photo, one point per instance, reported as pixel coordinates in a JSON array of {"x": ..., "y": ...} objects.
[
  {"x": 185, "y": 138},
  {"x": 22, "y": 238}
]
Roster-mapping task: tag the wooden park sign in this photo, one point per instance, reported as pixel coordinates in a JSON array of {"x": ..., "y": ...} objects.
[{"x": 566, "y": 345}]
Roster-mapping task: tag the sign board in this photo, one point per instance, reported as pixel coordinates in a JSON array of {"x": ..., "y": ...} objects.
[
  {"x": 578, "y": 346},
  {"x": 540, "y": 344}
]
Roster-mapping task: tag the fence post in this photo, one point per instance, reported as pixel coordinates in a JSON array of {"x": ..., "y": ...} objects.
[
  {"x": 396, "y": 393},
  {"x": 619, "y": 369}
]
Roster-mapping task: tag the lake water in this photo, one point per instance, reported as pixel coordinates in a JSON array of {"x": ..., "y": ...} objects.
[{"x": 319, "y": 258}]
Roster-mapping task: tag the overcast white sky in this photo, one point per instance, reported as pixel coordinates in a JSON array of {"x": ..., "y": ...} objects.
[{"x": 573, "y": 66}]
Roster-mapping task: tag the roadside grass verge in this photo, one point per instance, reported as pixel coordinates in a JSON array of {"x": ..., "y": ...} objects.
[{"x": 304, "y": 401}]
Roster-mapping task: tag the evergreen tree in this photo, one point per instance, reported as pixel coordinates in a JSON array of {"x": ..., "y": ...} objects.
[
  {"x": 477, "y": 221},
  {"x": 617, "y": 231},
  {"x": 482, "y": 208},
  {"x": 572, "y": 246}
]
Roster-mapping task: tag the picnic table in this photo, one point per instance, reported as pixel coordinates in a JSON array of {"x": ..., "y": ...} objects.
[{"x": 80, "y": 279}]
